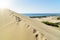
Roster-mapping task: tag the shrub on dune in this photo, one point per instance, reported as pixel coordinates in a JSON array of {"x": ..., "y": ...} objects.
[{"x": 49, "y": 23}]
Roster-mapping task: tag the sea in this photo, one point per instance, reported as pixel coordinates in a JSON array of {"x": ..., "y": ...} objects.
[{"x": 42, "y": 14}]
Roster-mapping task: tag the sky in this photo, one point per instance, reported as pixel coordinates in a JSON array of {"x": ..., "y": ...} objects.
[{"x": 34, "y": 6}]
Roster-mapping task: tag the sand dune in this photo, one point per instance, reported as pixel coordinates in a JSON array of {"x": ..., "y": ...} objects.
[
  {"x": 14, "y": 26},
  {"x": 13, "y": 29}
]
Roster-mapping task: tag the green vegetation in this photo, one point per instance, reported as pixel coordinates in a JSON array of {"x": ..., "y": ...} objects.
[
  {"x": 37, "y": 16},
  {"x": 58, "y": 23},
  {"x": 58, "y": 18},
  {"x": 51, "y": 24}
]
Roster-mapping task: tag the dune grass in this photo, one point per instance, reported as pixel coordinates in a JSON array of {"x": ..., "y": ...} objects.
[{"x": 50, "y": 23}]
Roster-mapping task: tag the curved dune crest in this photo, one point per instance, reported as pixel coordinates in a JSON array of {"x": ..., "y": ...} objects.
[{"x": 13, "y": 27}]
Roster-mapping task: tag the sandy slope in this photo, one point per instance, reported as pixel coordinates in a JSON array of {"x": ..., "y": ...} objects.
[
  {"x": 52, "y": 19},
  {"x": 13, "y": 29}
]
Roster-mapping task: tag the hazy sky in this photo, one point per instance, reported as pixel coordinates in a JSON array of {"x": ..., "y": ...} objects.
[{"x": 35, "y": 6}]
